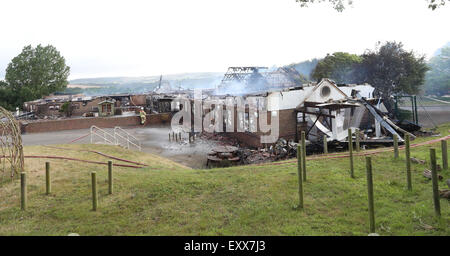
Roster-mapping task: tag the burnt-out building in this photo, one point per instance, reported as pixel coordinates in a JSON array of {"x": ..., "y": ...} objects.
[
  {"x": 318, "y": 109},
  {"x": 54, "y": 106}
]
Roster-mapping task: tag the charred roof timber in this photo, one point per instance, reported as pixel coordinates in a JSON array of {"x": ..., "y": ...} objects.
[
  {"x": 241, "y": 74},
  {"x": 244, "y": 80}
]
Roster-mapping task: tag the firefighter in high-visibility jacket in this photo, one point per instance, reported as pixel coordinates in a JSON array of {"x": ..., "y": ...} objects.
[{"x": 143, "y": 116}]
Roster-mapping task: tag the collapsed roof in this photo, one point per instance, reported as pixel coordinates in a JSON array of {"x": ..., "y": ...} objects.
[{"x": 244, "y": 80}]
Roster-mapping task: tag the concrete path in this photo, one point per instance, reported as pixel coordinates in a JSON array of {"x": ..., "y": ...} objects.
[{"x": 153, "y": 140}]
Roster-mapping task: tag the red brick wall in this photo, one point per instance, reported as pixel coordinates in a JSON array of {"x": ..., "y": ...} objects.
[
  {"x": 87, "y": 122},
  {"x": 287, "y": 129},
  {"x": 246, "y": 138},
  {"x": 78, "y": 109},
  {"x": 288, "y": 123},
  {"x": 158, "y": 119}
]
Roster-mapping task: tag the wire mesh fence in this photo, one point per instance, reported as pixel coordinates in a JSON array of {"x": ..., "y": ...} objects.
[{"x": 430, "y": 111}]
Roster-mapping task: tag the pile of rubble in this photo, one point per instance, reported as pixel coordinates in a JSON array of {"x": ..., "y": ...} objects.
[
  {"x": 281, "y": 150},
  {"x": 220, "y": 139},
  {"x": 251, "y": 156},
  {"x": 223, "y": 156}
]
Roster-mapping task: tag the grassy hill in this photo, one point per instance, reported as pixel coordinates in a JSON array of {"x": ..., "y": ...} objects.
[
  {"x": 144, "y": 84},
  {"x": 144, "y": 79},
  {"x": 169, "y": 199}
]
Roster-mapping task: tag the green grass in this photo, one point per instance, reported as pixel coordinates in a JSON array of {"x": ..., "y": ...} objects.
[{"x": 169, "y": 199}]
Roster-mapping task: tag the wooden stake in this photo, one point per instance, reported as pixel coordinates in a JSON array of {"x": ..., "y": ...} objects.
[
  {"x": 444, "y": 155},
  {"x": 110, "y": 178},
  {"x": 408, "y": 162},
  {"x": 325, "y": 144},
  {"x": 357, "y": 140},
  {"x": 350, "y": 151},
  {"x": 370, "y": 194},
  {"x": 395, "y": 137},
  {"x": 48, "y": 185},
  {"x": 94, "y": 191},
  {"x": 434, "y": 178},
  {"x": 300, "y": 180},
  {"x": 304, "y": 155},
  {"x": 23, "y": 191}
]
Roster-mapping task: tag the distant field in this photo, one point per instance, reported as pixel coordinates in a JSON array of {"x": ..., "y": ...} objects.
[
  {"x": 169, "y": 199},
  {"x": 183, "y": 77},
  {"x": 82, "y": 86}
]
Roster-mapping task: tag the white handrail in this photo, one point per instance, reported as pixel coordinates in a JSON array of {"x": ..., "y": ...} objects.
[
  {"x": 122, "y": 130},
  {"x": 128, "y": 142},
  {"x": 113, "y": 139},
  {"x": 137, "y": 142},
  {"x": 103, "y": 136}
]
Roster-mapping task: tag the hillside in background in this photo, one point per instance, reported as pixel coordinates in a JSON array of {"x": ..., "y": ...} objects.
[
  {"x": 114, "y": 85},
  {"x": 437, "y": 80},
  {"x": 204, "y": 80},
  {"x": 305, "y": 68},
  {"x": 439, "y": 51}
]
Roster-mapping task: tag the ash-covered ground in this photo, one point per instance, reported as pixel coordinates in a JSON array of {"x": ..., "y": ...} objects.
[{"x": 153, "y": 140}]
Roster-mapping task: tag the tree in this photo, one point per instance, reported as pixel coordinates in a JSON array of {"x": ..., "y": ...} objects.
[
  {"x": 35, "y": 72},
  {"x": 391, "y": 70},
  {"x": 339, "y": 66},
  {"x": 5, "y": 96},
  {"x": 340, "y": 5},
  {"x": 438, "y": 78},
  {"x": 66, "y": 108}
]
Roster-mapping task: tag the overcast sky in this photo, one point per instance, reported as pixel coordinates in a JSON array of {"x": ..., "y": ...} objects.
[{"x": 142, "y": 38}]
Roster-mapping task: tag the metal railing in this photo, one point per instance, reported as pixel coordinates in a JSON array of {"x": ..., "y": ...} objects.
[
  {"x": 127, "y": 138},
  {"x": 106, "y": 137},
  {"x": 118, "y": 137}
]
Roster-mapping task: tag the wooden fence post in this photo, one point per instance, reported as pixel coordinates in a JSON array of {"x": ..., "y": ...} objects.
[
  {"x": 395, "y": 137},
  {"x": 350, "y": 151},
  {"x": 300, "y": 179},
  {"x": 444, "y": 155},
  {"x": 370, "y": 194},
  {"x": 48, "y": 185},
  {"x": 94, "y": 191},
  {"x": 325, "y": 144},
  {"x": 110, "y": 178},
  {"x": 357, "y": 140},
  {"x": 23, "y": 191},
  {"x": 304, "y": 155},
  {"x": 434, "y": 178},
  {"x": 408, "y": 162}
]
